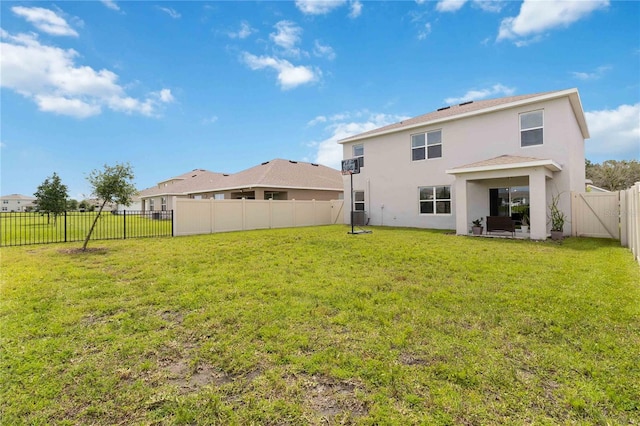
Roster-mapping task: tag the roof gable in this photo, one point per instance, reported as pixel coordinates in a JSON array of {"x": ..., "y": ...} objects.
[{"x": 468, "y": 109}]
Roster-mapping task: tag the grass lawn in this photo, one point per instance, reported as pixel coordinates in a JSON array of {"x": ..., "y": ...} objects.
[{"x": 315, "y": 326}]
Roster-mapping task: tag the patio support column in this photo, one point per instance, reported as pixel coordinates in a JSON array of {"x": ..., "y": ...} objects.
[
  {"x": 538, "y": 204},
  {"x": 462, "y": 224}
]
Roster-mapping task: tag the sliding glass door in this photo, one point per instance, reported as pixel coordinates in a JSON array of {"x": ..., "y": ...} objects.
[{"x": 510, "y": 202}]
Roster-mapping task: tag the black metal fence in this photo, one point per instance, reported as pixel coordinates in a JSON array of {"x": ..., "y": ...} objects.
[{"x": 22, "y": 228}]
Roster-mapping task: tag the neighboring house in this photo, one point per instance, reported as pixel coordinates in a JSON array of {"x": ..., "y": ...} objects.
[
  {"x": 16, "y": 203},
  {"x": 592, "y": 188},
  {"x": 499, "y": 157},
  {"x": 96, "y": 203},
  {"x": 276, "y": 179},
  {"x": 136, "y": 205}
]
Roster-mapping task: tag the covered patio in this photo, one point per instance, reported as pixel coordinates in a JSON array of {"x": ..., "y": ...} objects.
[{"x": 505, "y": 186}]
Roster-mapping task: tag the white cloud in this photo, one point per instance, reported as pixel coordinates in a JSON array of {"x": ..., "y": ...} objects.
[
  {"x": 61, "y": 105},
  {"x": 316, "y": 120},
  {"x": 598, "y": 73},
  {"x": 49, "y": 76},
  {"x": 171, "y": 12},
  {"x": 615, "y": 133},
  {"x": 341, "y": 126},
  {"x": 455, "y": 5},
  {"x": 425, "y": 31},
  {"x": 287, "y": 36},
  {"x": 474, "y": 95},
  {"x": 356, "y": 9},
  {"x": 536, "y": 17},
  {"x": 318, "y": 7},
  {"x": 494, "y": 6},
  {"x": 323, "y": 51},
  {"x": 45, "y": 20},
  {"x": 244, "y": 31},
  {"x": 450, "y": 5},
  {"x": 289, "y": 75},
  {"x": 111, "y": 4},
  {"x": 210, "y": 120},
  {"x": 164, "y": 96}
]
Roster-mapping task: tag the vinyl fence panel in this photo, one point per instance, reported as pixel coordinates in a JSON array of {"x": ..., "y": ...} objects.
[{"x": 209, "y": 216}]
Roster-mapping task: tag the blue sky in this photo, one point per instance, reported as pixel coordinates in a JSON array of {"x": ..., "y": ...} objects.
[{"x": 174, "y": 86}]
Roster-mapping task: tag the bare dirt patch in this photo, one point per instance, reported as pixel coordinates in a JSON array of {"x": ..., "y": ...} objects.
[
  {"x": 334, "y": 401},
  {"x": 79, "y": 251},
  {"x": 192, "y": 379}
]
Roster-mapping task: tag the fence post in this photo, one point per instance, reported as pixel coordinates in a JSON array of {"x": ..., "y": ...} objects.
[
  {"x": 65, "y": 226},
  {"x": 172, "y": 234},
  {"x": 124, "y": 225}
]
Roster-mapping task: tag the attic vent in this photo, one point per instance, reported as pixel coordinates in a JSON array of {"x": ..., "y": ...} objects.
[
  {"x": 194, "y": 175},
  {"x": 465, "y": 103},
  {"x": 443, "y": 108},
  {"x": 314, "y": 164},
  {"x": 293, "y": 162},
  {"x": 266, "y": 162},
  {"x": 224, "y": 174}
]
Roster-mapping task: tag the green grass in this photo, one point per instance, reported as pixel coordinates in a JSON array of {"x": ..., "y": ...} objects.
[
  {"x": 34, "y": 228},
  {"x": 315, "y": 326}
]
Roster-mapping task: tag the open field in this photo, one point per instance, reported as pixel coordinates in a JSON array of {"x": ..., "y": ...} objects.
[
  {"x": 314, "y": 326},
  {"x": 34, "y": 228}
]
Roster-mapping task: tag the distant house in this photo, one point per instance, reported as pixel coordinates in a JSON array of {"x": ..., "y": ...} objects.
[
  {"x": 592, "y": 188},
  {"x": 276, "y": 179},
  {"x": 136, "y": 205},
  {"x": 17, "y": 203},
  {"x": 500, "y": 157}
]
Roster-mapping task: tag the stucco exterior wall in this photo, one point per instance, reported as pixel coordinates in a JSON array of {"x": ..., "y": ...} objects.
[{"x": 390, "y": 179}]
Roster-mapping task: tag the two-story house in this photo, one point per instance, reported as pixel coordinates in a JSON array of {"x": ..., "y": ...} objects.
[
  {"x": 17, "y": 203},
  {"x": 497, "y": 157}
]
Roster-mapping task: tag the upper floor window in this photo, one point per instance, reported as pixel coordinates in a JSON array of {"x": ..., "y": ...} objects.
[
  {"x": 435, "y": 199},
  {"x": 531, "y": 128},
  {"x": 358, "y": 152},
  {"x": 426, "y": 145},
  {"x": 5, "y": 201}
]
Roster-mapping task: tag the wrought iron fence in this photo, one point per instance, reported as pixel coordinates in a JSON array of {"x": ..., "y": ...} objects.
[{"x": 21, "y": 228}]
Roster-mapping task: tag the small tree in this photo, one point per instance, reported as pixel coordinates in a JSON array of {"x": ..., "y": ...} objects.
[
  {"x": 72, "y": 204},
  {"x": 51, "y": 196},
  {"x": 113, "y": 184}
]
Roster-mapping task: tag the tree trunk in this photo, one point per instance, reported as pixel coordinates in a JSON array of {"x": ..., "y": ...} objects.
[{"x": 93, "y": 225}]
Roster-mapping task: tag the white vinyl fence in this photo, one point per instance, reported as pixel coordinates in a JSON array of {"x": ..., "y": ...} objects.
[
  {"x": 608, "y": 215},
  {"x": 193, "y": 217},
  {"x": 630, "y": 219}
]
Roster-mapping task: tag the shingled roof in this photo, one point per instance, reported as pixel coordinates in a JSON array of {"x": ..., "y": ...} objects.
[
  {"x": 506, "y": 162},
  {"x": 277, "y": 173},
  {"x": 471, "y": 108}
]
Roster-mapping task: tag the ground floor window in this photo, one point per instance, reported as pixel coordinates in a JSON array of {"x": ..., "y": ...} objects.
[
  {"x": 358, "y": 200},
  {"x": 163, "y": 204},
  {"x": 435, "y": 199},
  {"x": 218, "y": 196},
  {"x": 151, "y": 204},
  {"x": 274, "y": 195}
]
